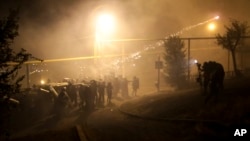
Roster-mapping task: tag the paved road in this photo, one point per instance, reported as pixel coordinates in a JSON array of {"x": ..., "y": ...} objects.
[{"x": 110, "y": 124}]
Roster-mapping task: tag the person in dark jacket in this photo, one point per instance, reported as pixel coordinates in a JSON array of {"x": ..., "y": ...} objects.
[
  {"x": 135, "y": 85},
  {"x": 109, "y": 93},
  {"x": 101, "y": 91}
]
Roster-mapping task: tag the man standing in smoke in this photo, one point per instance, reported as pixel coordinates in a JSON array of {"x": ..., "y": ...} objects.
[
  {"x": 101, "y": 91},
  {"x": 135, "y": 85},
  {"x": 109, "y": 92},
  {"x": 199, "y": 78}
]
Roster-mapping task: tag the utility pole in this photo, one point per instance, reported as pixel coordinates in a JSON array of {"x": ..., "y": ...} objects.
[
  {"x": 123, "y": 60},
  {"x": 158, "y": 66},
  {"x": 28, "y": 75},
  {"x": 188, "y": 59}
]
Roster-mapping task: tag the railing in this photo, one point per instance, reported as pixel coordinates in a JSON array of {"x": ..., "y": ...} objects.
[{"x": 228, "y": 75}]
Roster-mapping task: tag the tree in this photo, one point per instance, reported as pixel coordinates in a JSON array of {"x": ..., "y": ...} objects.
[
  {"x": 232, "y": 39},
  {"x": 10, "y": 61},
  {"x": 175, "y": 62}
]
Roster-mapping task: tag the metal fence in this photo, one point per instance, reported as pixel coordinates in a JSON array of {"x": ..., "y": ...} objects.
[{"x": 128, "y": 58}]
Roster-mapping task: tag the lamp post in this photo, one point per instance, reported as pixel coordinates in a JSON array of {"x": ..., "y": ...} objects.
[
  {"x": 158, "y": 66},
  {"x": 103, "y": 29}
]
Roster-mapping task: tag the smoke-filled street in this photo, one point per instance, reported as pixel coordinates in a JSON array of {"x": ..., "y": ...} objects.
[
  {"x": 166, "y": 115},
  {"x": 101, "y": 70}
]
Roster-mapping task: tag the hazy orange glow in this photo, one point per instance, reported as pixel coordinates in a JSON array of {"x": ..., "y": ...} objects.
[
  {"x": 42, "y": 82},
  {"x": 105, "y": 24},
  {"x": 64, "y": 33},
  {"x": 211, "y": 26},
  {"x": 216, "y": 17}
]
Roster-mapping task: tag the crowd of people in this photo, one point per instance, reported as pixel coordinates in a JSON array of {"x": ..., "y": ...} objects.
[
  {"x": 211, "y": 77},
  {"x": 100, "y": 93},
  {"x": 85, "y": 95}
]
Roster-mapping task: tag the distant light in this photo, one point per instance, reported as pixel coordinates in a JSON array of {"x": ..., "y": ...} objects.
[
  {"x": 105, "y": 23},
  {"x": 195, "y": 61},
  {"x": 211, "y": 26},
  {"x": 216, "y": 17},
  {"x": 42, "y": 82}
]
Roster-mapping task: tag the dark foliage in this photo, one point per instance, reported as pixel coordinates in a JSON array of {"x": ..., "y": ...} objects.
[
  {"x": 10, "y": 61},
  {"x": 232, "y": 39},
  {"x": 175, "y": 62}
]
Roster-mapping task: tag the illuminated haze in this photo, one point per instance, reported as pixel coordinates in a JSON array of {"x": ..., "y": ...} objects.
[
  {"x": 65, "y": 28},
  {"x": 63, "y": 25}
]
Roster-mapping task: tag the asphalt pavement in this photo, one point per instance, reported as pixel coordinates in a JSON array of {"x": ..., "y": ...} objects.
[{"x": 150, "y": 116}]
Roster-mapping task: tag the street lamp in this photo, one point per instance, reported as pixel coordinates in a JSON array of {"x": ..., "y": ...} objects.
[
  {"x": 105, "y": 24},
  {"x": 211, "y": 26},
  {"x": 103, "y": 29}
]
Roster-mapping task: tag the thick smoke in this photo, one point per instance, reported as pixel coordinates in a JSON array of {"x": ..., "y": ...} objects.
[{"x": 51, "y": 29}]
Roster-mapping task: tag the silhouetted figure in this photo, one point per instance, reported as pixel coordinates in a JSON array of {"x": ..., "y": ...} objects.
[
  {"x": 116, "y": 86},
  {"x": 48, "y": 81},
  {"x": 44, "y": 100},
  {"x": 101, "y": 91},
  {"x": 109, "y": 93},
  {"x": 199, "y": 78},
  {"x": 93, "y": 96},
  {"x": 62, "y": 102},
  {"x": 72, "y": 92},
  {"x": 213, "y": 78},
  {"x": 124, "y": 87},
  {"x": 206, "y": 75},
  {"x": 83, "y": 96},
  {"x": 135, "y": 85}
]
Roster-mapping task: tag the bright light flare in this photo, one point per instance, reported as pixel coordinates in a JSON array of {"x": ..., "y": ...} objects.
[
  {"x": 105, "y": 24},
  {"x": 216, "y": 17},
  {"x": 42, "y": 82},
  {"x": 211, "y": 26},
  {"x": 195, "y": 61}
]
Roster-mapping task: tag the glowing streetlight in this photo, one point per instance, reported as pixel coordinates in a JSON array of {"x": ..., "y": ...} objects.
[
  {"x": 42, "y": 82},
  {"x": 105, "y": 24},
  {"x": 211, "y": 27},
  {"x": 104, "y": 28}
]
